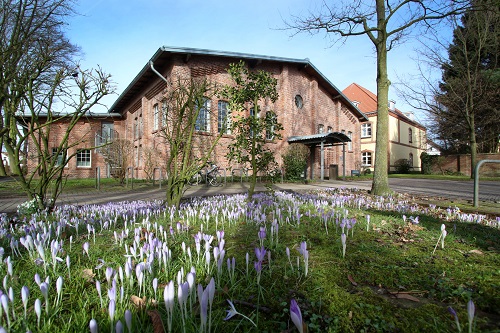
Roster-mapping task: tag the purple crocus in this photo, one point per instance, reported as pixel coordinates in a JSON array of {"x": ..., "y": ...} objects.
[
  {"x": 86, "y": 246},
  {"x": 343, "y": 239},
  {"x": 454, "y": 314},
  {"x": 296, "y": 315},
  {"x": 471, "y": 309},
  {"x": 260, "y": 253},
  {"x": 93, "y": 326}
]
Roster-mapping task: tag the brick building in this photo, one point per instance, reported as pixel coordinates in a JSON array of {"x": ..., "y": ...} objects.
[
  {"x": 407, "y": 138},
  {"x": 309, "y": 106}
]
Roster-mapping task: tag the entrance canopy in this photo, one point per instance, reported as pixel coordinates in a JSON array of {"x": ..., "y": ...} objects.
[
  {"x": 327, "y": 139},
  {"x": 323, "y": 140}
]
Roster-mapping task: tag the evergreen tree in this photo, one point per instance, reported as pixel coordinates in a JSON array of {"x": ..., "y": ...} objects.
[{"x": 470, "y": 89}]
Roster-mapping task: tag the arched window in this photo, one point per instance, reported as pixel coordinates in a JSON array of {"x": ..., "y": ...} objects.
[
  {"x": 270, "y": 122},
  {"x": 223, "y": 118},
  {"x": 203, "y": 121},
  {"x": 410, "y": 135},
  {"x": 410, "y": 160}
]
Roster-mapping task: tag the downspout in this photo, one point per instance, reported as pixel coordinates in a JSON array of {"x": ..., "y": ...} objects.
[{"x": 156, "y": 72}]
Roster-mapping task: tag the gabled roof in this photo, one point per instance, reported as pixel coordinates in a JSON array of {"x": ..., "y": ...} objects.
[
  {"x": 366, "y": 101},
  {"x": 161, "y": 57}
]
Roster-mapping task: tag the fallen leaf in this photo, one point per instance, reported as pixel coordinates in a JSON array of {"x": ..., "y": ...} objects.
[
  {"x": 476, "y": 252},
  {"x": 88, "y": 275},
  {"x": 156, "y": 319},
  {"x": 138, "y": 302},
  {"x": 354, "y": 283}
]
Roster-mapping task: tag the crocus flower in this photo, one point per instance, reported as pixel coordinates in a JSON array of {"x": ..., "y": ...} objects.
[
  {"x": 343, "y": 239},
  {"x": 119, "y": 327},
  {"x": 25, "y": 294},
  {"x": 38, "y": 310},
  {"x": 454, "y": 314},
  {"x": 86, "y": 246},
  {"x": 296, "y": 315},
  {"x": 128, "y": 320},
  {"x": 233, "y": 312},
  {"x": 5, "y": 305},
  {"x": 59, "y": 285},
  {"x": 93, "y": 326},
  {"x": 471, "y": 309},
  {"x": 111, "y": 310}
]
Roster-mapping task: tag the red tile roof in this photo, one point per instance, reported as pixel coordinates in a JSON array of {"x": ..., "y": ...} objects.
[{"x": 366, "y": 101}]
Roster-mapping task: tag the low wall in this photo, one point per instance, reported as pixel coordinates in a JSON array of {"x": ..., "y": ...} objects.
[{"x": 461, "y": 163}]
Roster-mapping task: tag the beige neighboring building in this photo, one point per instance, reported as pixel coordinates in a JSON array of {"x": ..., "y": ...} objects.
[{"x": 407, "y": 138}]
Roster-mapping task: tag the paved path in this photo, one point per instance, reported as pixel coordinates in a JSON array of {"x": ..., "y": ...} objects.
[{"x": 488, "y": 191}]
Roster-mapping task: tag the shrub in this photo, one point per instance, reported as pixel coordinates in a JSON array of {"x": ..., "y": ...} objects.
[
  {"x": 402, "y": 166},
  {"x": 295, "y": 160},
  {"x": 426, "y": 161}
]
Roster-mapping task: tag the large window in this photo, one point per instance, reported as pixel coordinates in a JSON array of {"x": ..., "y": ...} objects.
[
  {"x": 366, "y": 130},
  {"x": 410, "y": 135},
  {"x": 366, "y": 158},
  {"x": 349, "y": 144},
  {"x": 203, "y": 121},
  {"x": 83, "y": 158},
  {"x": 223, "y": 118},
  {"x": 271, "y": 121}
]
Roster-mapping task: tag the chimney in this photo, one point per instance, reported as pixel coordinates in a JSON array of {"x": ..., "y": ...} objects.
[{"x": 392, "y": 105}]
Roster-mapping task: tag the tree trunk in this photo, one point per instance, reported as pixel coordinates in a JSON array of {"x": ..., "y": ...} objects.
[
  {"x": 3, "y": 172},
  {"x": 473, "y": 147},
  {"x": 174, "y": 192},
  {"x": 380, "y": 185}
]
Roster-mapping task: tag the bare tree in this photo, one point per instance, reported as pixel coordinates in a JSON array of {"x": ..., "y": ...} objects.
[
  {"x": 118, "y": 154},
  {"x": 151, "y": 161},
  {"x": 33, "y": 48},
  {"x": 186, "y": 132},
  {"x": 47, "y": 118},
  {"x": 463, "y": 104},
  {"x": 386, "y": 23}
]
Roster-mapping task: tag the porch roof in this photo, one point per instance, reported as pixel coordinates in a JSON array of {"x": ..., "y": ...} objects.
[{"x": 331, "y": 138}]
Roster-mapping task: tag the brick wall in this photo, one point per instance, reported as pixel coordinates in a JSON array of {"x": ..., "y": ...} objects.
[
  {"x": 319, "y": 107},
  {"x": 461, "y": 163}
]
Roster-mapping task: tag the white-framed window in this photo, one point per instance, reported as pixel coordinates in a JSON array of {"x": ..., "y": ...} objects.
[
  {"x": 321, "y": 128},
  {"x": 59, "y": 157},
  {"x": 349, "y": 144},
  {"x": 223, "y": 117},
  {"x": 366, "y": 158},
  {"x": 271, "y": 121},
  {"x": 164, "y": 110},
  {"x": 83, "y": 159},
  {"x": 156, "y": 117},
  {"x": 203, "y": 121},
  {"x": 329, "y": 129},
  {"x": 410, "y": 135},
  {"x": 252, "y": 114},
  {"x": 366, "y": 130}
]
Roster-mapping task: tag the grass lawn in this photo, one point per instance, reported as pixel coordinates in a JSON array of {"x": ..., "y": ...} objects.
[{"x": 161, "y": 269}]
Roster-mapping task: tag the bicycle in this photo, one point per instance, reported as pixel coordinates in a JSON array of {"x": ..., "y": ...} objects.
[{"x": 212, "y": 176}]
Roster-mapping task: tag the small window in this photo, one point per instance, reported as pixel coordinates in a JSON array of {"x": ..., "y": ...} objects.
[
  {"x": 223, "y": 118},
  {"x": 59, "y": 157},
  {"x": 203, "y": 121},
  {"x": 410, "y": 135},
  {"x": 321, "y": 128},
  {"x": 349, "y": 144},
  {"x": 164, "y": 109},
  {"x": 366, "y": 158},
  {"x": 410, "y": 160},
  {"x": 366, "y": 130},
  {"x": 83, "y": 158},
  {"x": 329, "y": 129},
  {"x": 156, "y": 117},
  {"x": 299, "y": 102}
]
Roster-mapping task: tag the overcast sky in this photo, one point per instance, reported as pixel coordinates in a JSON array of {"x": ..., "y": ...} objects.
[{"x": 122, "y": 35}]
